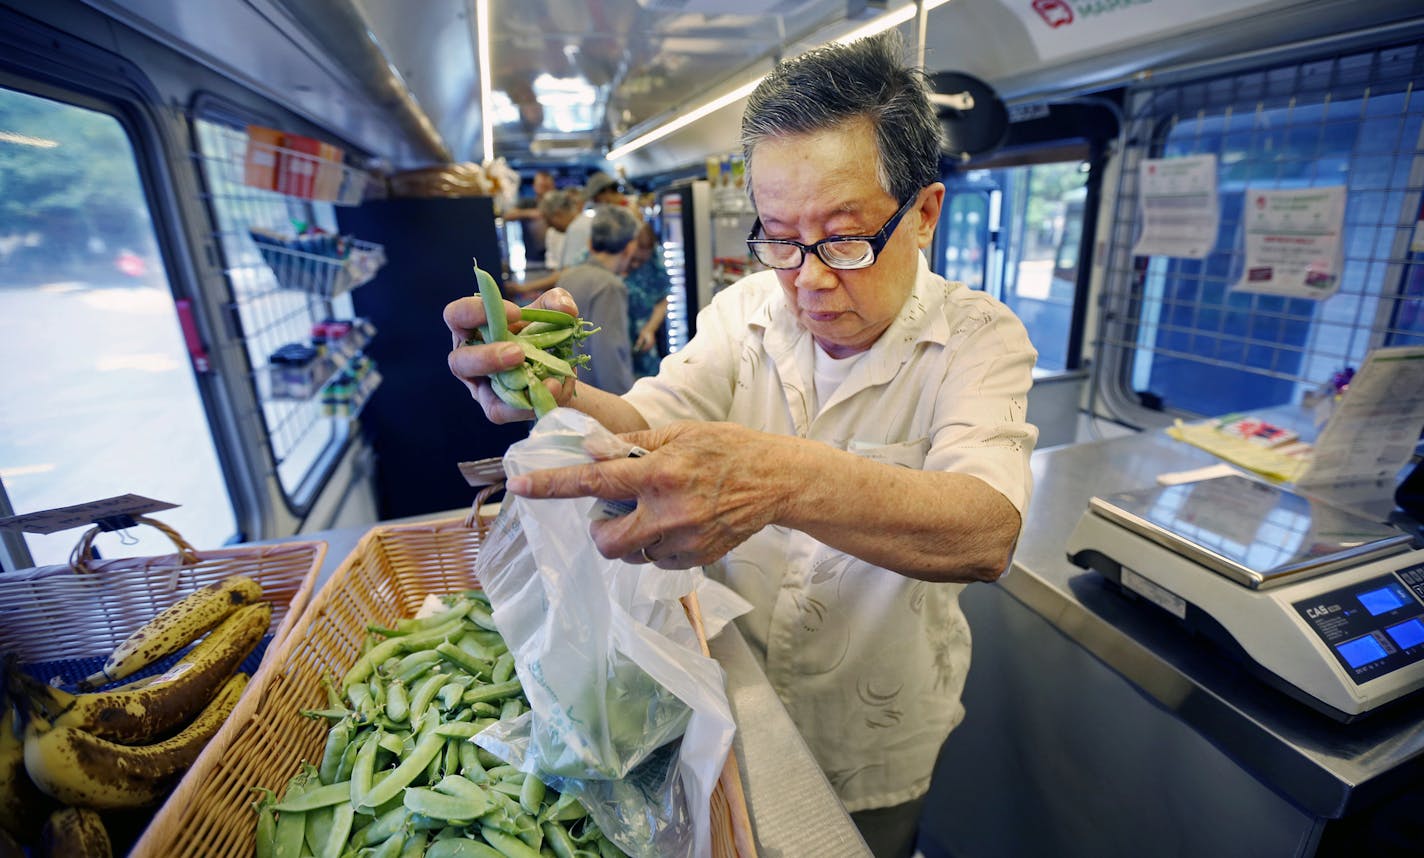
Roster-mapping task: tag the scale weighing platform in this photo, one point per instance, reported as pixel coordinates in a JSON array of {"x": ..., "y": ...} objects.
[{"x": 1325, "y": 605}]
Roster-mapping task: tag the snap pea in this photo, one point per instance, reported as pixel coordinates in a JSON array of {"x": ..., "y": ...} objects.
[
  {"x": 337, "y": 738},
  {"x": 415, "y": 844},
  {"x": 606, "y": 849},
  {"x": 318, "y": 827},
  {"x": 348, "y": 761},
  {"x": 470, "y": 642},
  {"x": 481, "y": 617},
  {"x": 451, "y": 764},
  {"x": 365, "y": 769},
  {"x": 387, "y": 823},
  {"x": 414, "y": 665},
  {"x": 266, "y": 837},
  {"x": 452, "y": 808},
  {"x": 393, "y": 742},
  {"x": 545, "y": 339},
  {"x": 451, "y": 692},
  {"x": 291, "y": 824},
  {"x": 566, "y": 809},
  {"x": 407, "y": 643},
  {"x": 461, "y": 848},
  {"x": 470, "y": 764},
  {"x": 391, "y": 847},
  {"x": 462, "y": 787},
  {"x": 425, "y": 691},
  {"x": 455, "y": 611},
  {"x": 311, "y": 797},
  {"x": 531, "y": 795},
  {"x": 461, "y": 659},
  {"x": 509, "y": 847},
  {"x": 503, "y": 668},
  {"x": 496, "y": 691},
  {"x": 397, "y": 701},
  {"x": 511, "y": 708},
  {"x": 558, "y": 840},
  {"x": 426, "y": 747},
  {"x": 557, "y": 318}
]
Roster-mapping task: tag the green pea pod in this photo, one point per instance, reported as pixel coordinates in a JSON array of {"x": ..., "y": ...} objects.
[
  {"x": 461, "y": 659},
  {"x": 495, "y": 691},
  {"x": 311, "y": 798},
  {"x": 391, "y": 646},
  {"x": 429, "y": 744},
  {"x": 387, "y": 823},
  {"x": 515, "y": 397},
  {"x": 503, "y": 668},
  {"x": 532, "y": 794},
  {"x": 266, "y": 835},
  {"x": 391, "y": 847},
  {"x": 462, "y": 787},
  {"x": 337, "y": 739},
  {"x": 415, "y": 844},
  {"x": 397, "y": 701},
  {"x": 546, "y": 339},
  {"x": 556, "y": 318},
  {"x": 414, "y": 665},
  {"x": 425, "y": 691},
  {"x": 509, "y": 847},
  {"x": 365, "y": 769},
  {"x": 482, "y": 617},
  {"x": 558, "y": 840},
  {"x": 496, "y": 322},
  {"x": 452, "y": 808},
  {"x": 461, "y": 848}
]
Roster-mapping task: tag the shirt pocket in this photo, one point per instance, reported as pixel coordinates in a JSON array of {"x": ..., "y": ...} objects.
[{"x": 910, "y": 454}]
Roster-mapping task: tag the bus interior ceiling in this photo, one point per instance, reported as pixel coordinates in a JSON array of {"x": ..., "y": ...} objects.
[{"x": 562, "y": 85}]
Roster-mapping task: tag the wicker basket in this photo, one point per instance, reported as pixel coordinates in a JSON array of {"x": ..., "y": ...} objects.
[
  {"x": 385, "y": 578},
  {"x": 62, "y": 621}
]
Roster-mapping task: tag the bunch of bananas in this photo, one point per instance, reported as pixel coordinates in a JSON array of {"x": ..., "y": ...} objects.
[{"x": 64, "y": 756}]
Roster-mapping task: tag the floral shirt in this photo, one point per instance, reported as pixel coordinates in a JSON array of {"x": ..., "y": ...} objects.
[
  {"x": 647, "y": 285},
  {"x": 869, "y": 663}
]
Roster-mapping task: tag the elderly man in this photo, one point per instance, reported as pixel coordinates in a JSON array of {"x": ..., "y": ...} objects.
[{"x": 843, "y": 442}]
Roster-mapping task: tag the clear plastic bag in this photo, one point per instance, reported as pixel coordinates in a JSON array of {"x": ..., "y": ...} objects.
[{"x": 627, "y": 714}]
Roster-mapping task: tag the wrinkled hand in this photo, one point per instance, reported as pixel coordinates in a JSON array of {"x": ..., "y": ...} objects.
[
  {"x": 702, "y": 490},
  {"x": 474, "y": 364}
]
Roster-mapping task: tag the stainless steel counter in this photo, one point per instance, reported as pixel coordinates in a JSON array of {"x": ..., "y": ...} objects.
[
  {"x": 1327, "y": 769},
  {"x": 794, "y": 811}
]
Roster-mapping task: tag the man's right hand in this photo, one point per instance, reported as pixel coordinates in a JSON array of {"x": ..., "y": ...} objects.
[{"x": 474, "y": 364}]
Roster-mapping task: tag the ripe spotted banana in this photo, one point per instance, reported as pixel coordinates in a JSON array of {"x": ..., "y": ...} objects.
[
  {"x": 177, "y": 626},
  {"x": 75, "y": 832},
  {"x": 143, "y": 714},
  {"x": 81, "y": 769},
  {"x": 22, "y": 806}
]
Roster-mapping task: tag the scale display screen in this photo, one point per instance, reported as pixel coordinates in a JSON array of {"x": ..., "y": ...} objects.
[{"x": 1373, "y": 626}]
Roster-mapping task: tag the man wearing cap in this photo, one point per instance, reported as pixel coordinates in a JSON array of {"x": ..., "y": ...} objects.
[{"x": 601, "y": 188}]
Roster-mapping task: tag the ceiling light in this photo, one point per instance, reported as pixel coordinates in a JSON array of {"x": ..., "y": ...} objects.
[
  {"x": 880, "y": 24},
  {"x": 482, "y": 35}
]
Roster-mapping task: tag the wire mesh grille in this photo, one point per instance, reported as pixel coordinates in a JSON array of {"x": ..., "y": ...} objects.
[
  {"x": 1180, "y": 329},
  {"x": 266, "y": 312}
]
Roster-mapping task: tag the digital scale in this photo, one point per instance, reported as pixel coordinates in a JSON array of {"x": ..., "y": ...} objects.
[{"x": 1324, "y": 604}]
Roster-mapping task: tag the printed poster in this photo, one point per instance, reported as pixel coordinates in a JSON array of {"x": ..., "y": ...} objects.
[
  {"x": 1060, "y": 28},
  {"x": 1293, "y": 245},
  {"x": 1179, "y": 205},
  {"x": 1372, "y": 432}
]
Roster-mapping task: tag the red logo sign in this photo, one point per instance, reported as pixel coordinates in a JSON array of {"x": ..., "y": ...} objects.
[{"x": 1055, "y": 13}]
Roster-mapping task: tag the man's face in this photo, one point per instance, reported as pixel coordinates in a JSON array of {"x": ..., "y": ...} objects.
[
  {"x": 811, "y": 186},
  {"x": 543, "y": 183}
]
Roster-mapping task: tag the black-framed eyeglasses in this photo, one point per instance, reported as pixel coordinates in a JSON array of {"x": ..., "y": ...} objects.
[{"x": 843, "y": 252}]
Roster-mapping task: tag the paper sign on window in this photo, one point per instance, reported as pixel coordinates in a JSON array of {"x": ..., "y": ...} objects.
[
  {"x": 1180, "y": 208},
  {"x": 1293, "y": 241}
]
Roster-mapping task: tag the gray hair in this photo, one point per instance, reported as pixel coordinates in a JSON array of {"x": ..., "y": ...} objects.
[
  {"x": 555, "y": 201},
  {"x": 830, "y": 86},
  {"x": 612, "y": 228}
]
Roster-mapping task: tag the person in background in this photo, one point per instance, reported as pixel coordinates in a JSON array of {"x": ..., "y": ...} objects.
[
  {"x": 596, "y": 286},
  {"x": 558, "y": 208},
  {"x": 600, "y": 189},
  {"x": 531, "y": 221},
  {"x": 843, "y": 441},
  {"x": 648, "y": 288}
]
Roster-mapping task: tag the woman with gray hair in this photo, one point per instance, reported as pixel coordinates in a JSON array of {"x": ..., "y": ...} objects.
[
  {"x": 597, "y": 287},
  {"x": 844, "y": 440}
]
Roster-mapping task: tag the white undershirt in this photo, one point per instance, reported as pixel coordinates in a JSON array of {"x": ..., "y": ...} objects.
[{"x": 829, "y": 372}]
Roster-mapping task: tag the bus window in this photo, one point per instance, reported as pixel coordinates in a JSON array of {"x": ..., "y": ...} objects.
[
  {"x": 1200, "y": 346},
  {"x": 1014, "y": 232},
  {"x": 98, "y": 396}
]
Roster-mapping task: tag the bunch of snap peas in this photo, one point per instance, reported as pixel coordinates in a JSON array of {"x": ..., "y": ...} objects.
[
  {"x": 548, "y": 340},
  {"x": 400, "y": 776}
]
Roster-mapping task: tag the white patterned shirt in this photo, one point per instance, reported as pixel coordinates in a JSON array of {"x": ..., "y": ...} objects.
[{"x": 869, "y": 663}]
